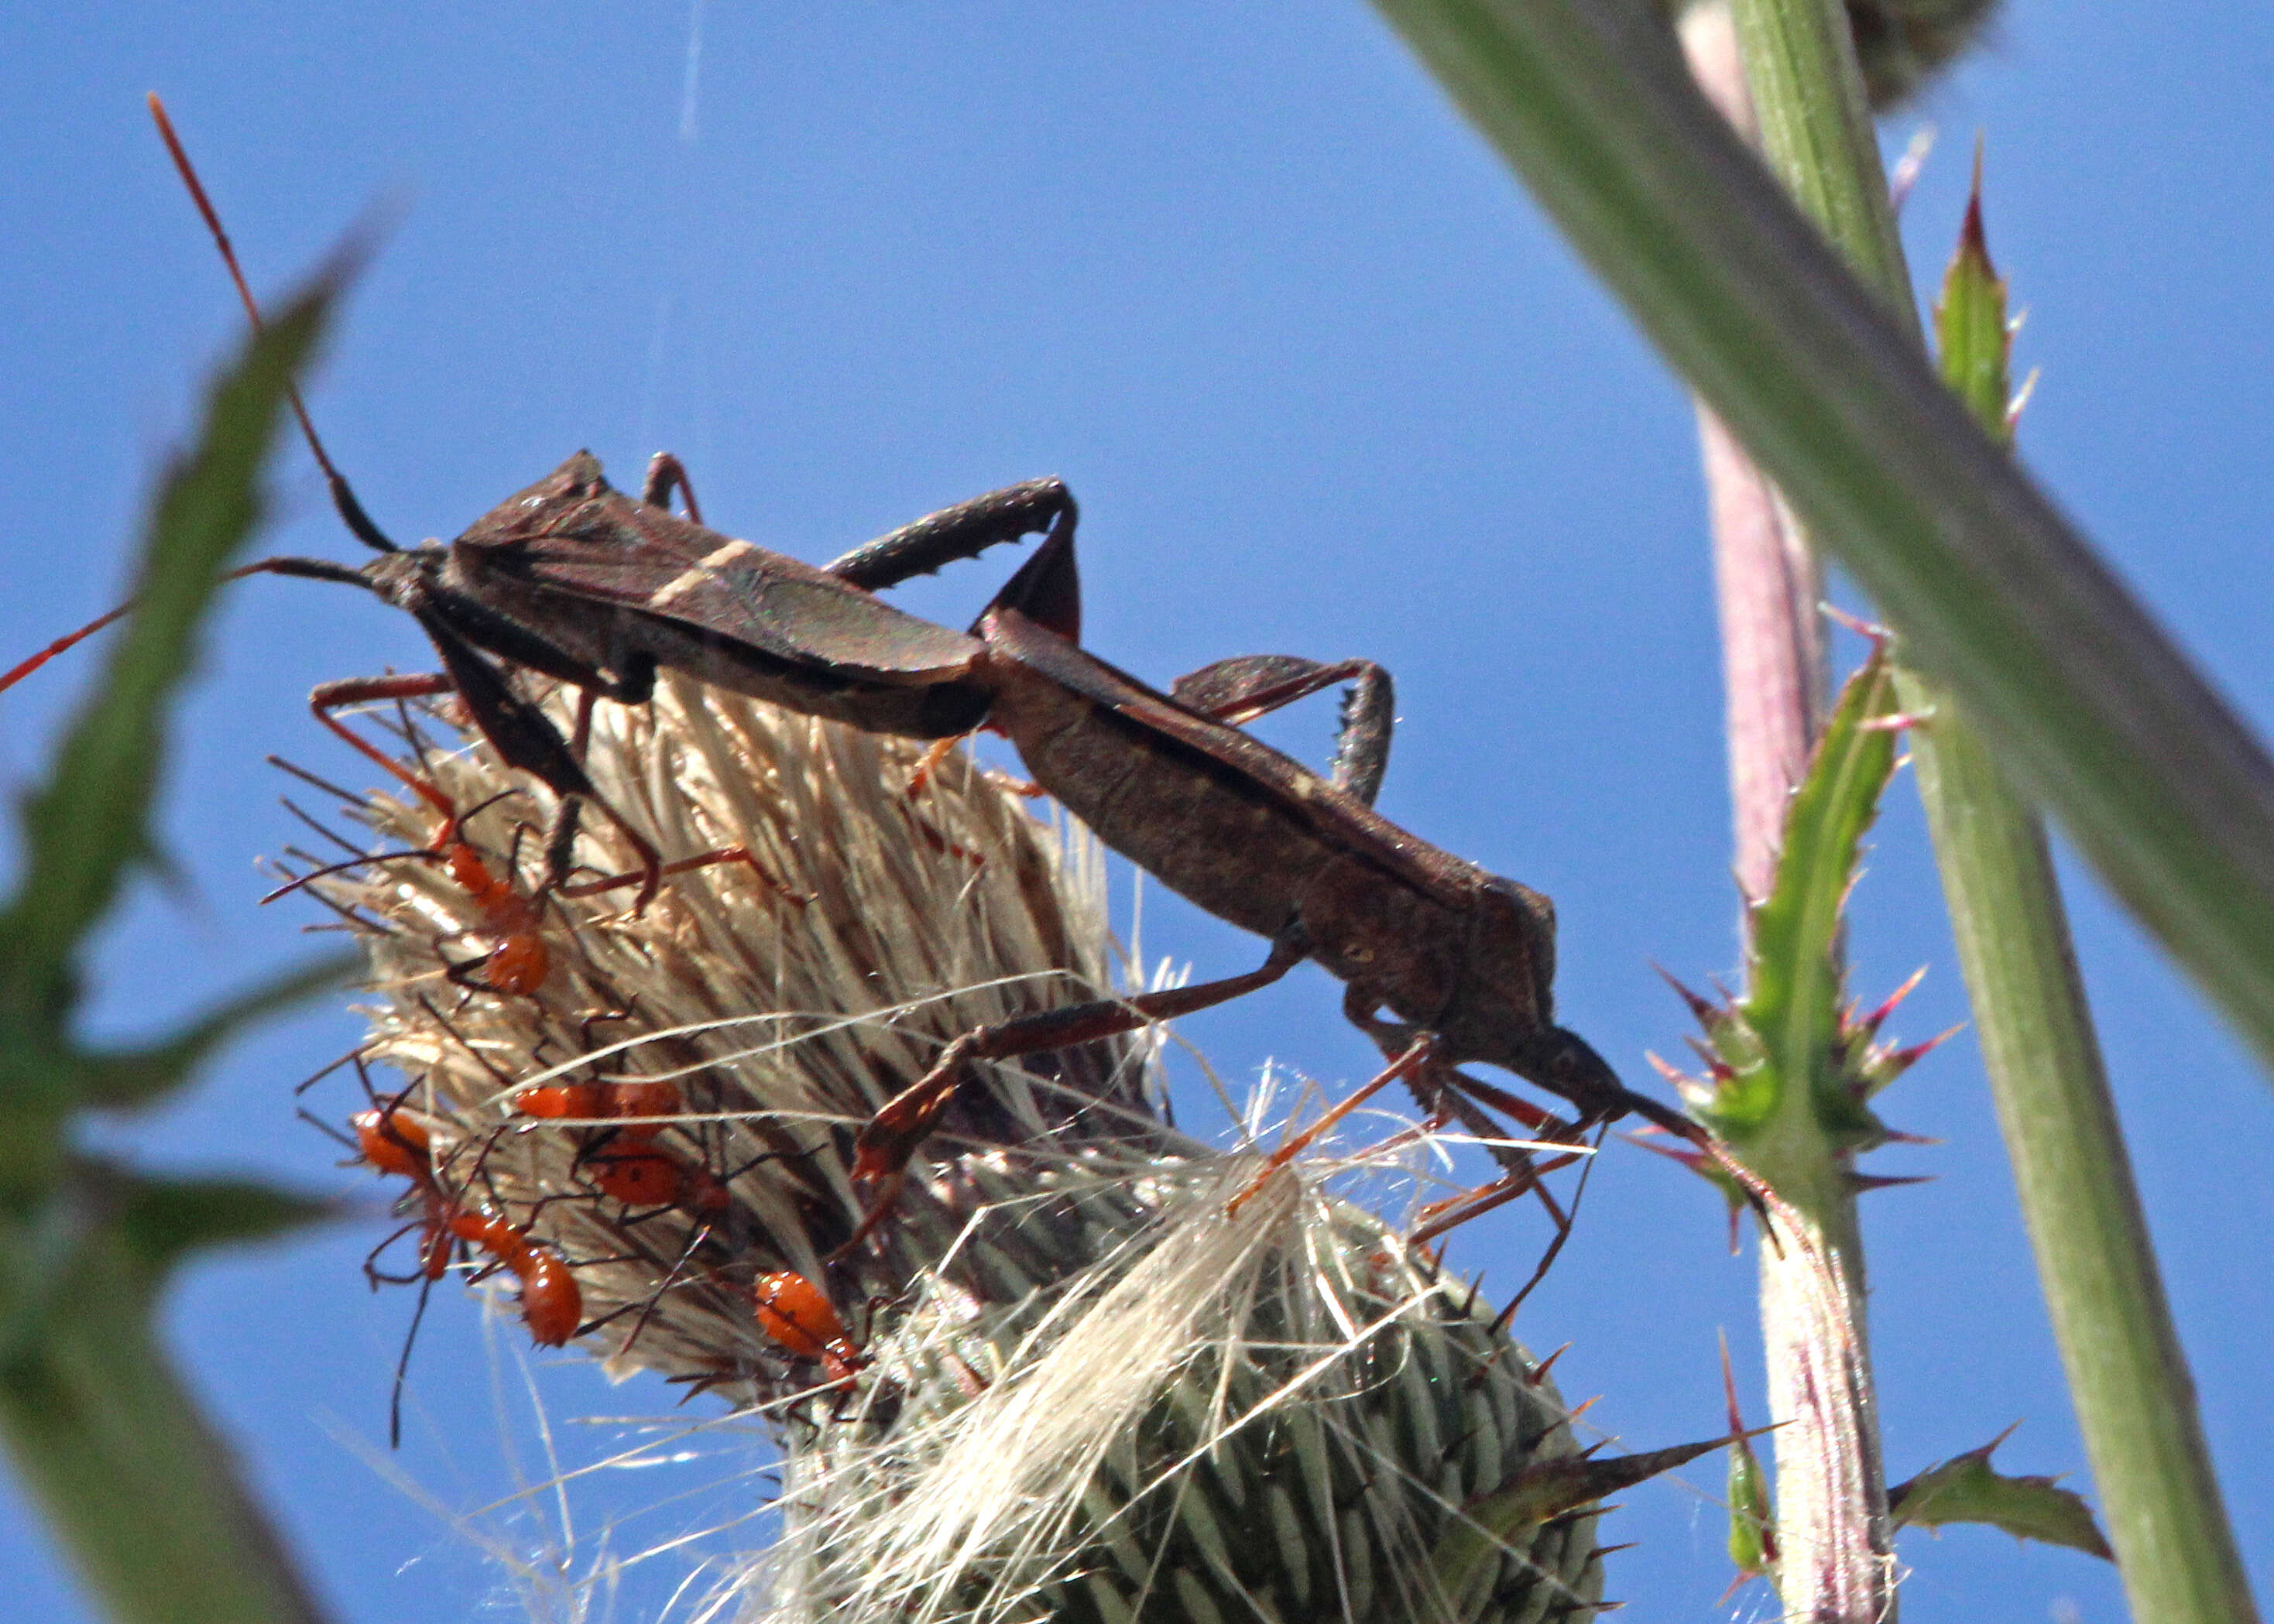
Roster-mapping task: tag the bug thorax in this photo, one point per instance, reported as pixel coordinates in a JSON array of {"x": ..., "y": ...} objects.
[
  {"x": 577, "y": 479},
  {"x": 1505, "y": 996},
  {"x": 409, "y": 578}
]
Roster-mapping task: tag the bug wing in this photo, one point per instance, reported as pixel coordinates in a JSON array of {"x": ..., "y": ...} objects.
[
  {"x": 794, "y": 613},
  {"x": 1334, "y": 817},
  {"x": 574, "y": 534}
]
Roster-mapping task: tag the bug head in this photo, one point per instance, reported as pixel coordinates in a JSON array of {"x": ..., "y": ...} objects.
[
  {"x": 1504, "y": 993},
  {"x": 1567, "y": 1066}
]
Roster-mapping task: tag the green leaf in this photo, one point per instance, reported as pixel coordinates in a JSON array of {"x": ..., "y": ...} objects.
[
  {"x": 165, "y": 1219},
  {"x": 1786, "y": 1025},
  {"x": 134, "y": 1484},
  {"x": 1540, "y": 1494},
  {"x": 1752, "y": 1518},
  {"x": 90, "y": 822},
  {"x": 137, "y": 1076},
  {"x": 39, "y": 1254},
  {"x": 98, "y": 1206},
  {"x": 1968, "y": 1489},
  {"x": 1969, "y": 321}
]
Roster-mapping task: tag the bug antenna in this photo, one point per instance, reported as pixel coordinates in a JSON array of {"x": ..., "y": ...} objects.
[
  {"x": 344, "y": 496},
  {"x": 317, "y": 569},
  {"x": 299, "y": 881},
  {"x": 23, "y": 668}
]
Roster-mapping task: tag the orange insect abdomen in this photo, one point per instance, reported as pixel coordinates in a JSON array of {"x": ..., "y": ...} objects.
[
  {"x": 653, "y": 1096},
  {"x": 640, "y": 1177},
  {"x": 393, "y": 1143},
  {"x": 518, "y": 966},
  {"x": 564, "y": 1099},
  {"x": 550, "y": 1300},
  {"x": 521, "y": 961},
  {"x": 792, "y": 1309},
  {"x": 551, "y": 1303}
]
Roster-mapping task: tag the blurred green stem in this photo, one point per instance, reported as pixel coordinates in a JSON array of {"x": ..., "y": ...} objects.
[
  {"x": 2134, "y": 1402},
  {"x": 147, "y": 1500}
]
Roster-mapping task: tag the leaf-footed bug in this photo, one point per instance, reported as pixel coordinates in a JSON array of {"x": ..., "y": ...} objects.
[
  {"x": 1444, "y": 963},
  {"x": 573, "y": 580}
]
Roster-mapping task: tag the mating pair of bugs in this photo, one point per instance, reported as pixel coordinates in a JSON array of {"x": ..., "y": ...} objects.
[{"x": 1444, "y": 964}]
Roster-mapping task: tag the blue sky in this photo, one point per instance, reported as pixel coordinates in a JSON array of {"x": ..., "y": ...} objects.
[{"x": 1324, "y": 382}]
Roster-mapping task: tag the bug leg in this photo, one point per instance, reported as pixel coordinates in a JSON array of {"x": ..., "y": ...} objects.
[
  {"x": 560, "y": 858},
  {"x": 648, "y": 879},
  {"x": 561, "y": 843},
  {"x": 1472, "y": 1203},
  {"x": 522, "y": 734},
  {"x": 666, "y": 474},
  {"x": 1464, "y": 1097},
  {"x": 1454, "y": 1210},
  {"x": 1415, "y": 1057},
  {"x": 1446, "y": 1092},
  {"x": 962, "y": 531},
  {"x": 1236, "y": 691},
  {"x": 331, "y": 697},
  {"x": 582, "y": 733},
  {"x": 655, "y": 1297},
  {"x": 526, "y": 739},
  {"x": 887, "y": 1143},
  {"x": 937, "y": 753},
  {"x": 403, "y": 1365}
]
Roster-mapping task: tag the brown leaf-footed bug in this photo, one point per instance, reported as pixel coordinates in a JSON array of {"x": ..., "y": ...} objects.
[
  {"x": 1444, "y": 963},
  {"x": 574, "y": 581}
]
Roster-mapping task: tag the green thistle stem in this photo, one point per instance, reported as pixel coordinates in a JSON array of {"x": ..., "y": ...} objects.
[
  {"x": 1833, "y": 1536},
  {"x": 2126, "y": 1372},
  {"x": 2128, "y": 1376},
  {"x": 2086, "y": 701}
]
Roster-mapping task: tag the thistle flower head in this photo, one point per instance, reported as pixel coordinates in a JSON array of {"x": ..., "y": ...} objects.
[{"x": 1062, "y": 1375}]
